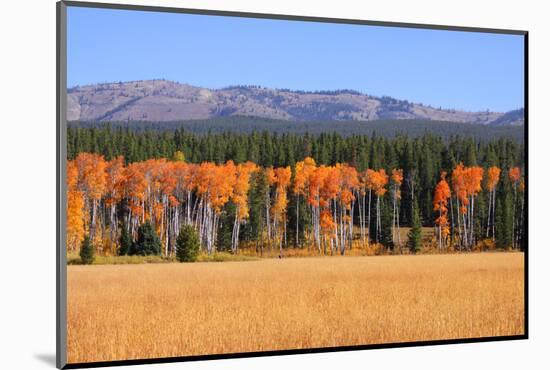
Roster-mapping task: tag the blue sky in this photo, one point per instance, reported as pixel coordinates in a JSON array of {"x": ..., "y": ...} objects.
[{"x": 462, "y": 70}]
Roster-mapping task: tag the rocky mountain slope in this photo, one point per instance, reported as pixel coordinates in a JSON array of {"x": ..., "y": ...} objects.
[{"x": 161, "y": 100}]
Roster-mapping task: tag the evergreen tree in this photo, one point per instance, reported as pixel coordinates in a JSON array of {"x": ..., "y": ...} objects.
[
  {"x": 225, "y": 229},
  {"x": 125, "y": 242},
  {"x": 471, "y": 158},
  {"x": 147, "y": 242},
  {"x": 87, "y": 251},
  {"x": 253, "y": 229},
  {"x": 187, "y": 244},
  {"x": 386, "y": 237},
  {"x": 504, "y": 217},
  {"x": 415, "y": 233},
  {"x": 480, "y": 218}
]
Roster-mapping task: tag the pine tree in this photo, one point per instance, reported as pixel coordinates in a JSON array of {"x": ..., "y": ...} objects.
[
  {"x": 252, "y": 230},
  {"x": 125, "y": 242},
  {"x": 471, "y": 159},
  {"x": 386, "y": 237},
  {"x": 188, "y": 245},
  {"x": 225, "y": 229},
  {"x": 87, "y": 251},
  {"x": 415, "y": 234},
  {"x": 147, "y": 242},
  {"x": 504, "y": 217}
]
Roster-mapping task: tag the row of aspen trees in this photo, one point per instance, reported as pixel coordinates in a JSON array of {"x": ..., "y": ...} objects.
[
  {"x": 336, "y": 208},
  {"x": 467, "y": 183}
]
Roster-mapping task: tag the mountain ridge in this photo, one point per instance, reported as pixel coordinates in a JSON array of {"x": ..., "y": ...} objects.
[{"x": 163, "y": 100}]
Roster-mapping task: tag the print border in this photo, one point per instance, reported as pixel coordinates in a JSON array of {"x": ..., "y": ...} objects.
[{"x": 61, "y": 260}]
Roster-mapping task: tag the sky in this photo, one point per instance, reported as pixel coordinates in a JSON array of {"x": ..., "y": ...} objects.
[{"x": 450, "y": 69}]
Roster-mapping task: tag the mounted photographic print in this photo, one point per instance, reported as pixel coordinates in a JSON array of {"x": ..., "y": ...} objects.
[{"x": 235, "y": 184}]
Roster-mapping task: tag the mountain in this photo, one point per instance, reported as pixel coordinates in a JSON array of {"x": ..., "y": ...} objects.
[
  {"x": 513, "y": 117},
  {"x": 161, "y": 100}
]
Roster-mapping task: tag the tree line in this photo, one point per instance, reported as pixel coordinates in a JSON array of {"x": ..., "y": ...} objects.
[
  {"x": 327, "y": 207},
  {"x": 422, "y": 158},
  {"x": 387, "y": 128}
]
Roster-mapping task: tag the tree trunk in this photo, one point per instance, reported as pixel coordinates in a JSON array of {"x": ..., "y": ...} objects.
[{"x": 297, "y": 220}]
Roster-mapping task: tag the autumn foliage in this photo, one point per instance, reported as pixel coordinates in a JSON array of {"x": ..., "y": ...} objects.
[
  {"x": 343, "y": 205},
  {"x": 441, "y": 198}
]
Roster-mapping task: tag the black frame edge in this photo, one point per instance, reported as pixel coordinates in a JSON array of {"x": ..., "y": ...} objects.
[{"x": 163, "y": 360}]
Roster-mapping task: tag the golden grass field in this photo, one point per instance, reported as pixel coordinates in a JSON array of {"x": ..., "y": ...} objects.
[{"x": 118, "y": 312}]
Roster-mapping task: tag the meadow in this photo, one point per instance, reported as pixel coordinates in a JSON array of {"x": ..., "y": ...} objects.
[{"x": 137, "y": 311}]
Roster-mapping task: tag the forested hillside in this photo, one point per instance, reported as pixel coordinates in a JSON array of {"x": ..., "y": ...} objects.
[
  {"x": 321, "y": 191},
  {"x": 385, "y": 128}
]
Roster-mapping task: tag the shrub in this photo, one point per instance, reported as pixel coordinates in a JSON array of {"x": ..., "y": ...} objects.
[
  {"x": 87, "y": 251},
  {"x": 147, "y": 243},
  {"x": 188, "y": 245}
]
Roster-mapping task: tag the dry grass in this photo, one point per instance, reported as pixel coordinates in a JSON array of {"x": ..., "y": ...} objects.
[
  {"x": 162, "y": 310},
  {"x": 74, "y": 259}
]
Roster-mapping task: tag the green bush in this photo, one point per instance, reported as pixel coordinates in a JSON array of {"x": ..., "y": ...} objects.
[
  {"x": 87, "y": 251},
  {"x": 187, "y": 244},
  {"x": 147, "y": 243}
]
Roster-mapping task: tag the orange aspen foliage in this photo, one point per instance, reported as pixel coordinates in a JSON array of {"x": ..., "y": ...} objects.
[
  {"x": 367, "y": 178},
  {"x": 327, "y": 223},
  {"x": 473, "y": 178},
  {"x": 440, "y": 201},
  {"x": 168, "y": 179},
  {"x": 215, "y": 183},
  {"x": 222, "y": 182},
  {"x": 203, "y": 179},
  {"x": 459, "y": 186},
  {"x": 240, "y": 190},
  {"x": 467, "y": 184},
  {"x": 349, "y": 182},
  {"x": 270, "y": 176},
  {"x": 514, "y": 174},
  {"x": 91, "y": 172},
  {"x": 72, "y": 175},
  {"x": 397, "y": 176},
  {"x": 493, "y": 176},
  {"x": 92, "y": 182},
  {"x": 304, "y": 170},
  {"x": 114, "y": 186},
  {"x": 316, "y": 180},
  {"x": 330, "y": 187},
  {"x": 441, "y": 197},
  {"x": 75, "y": 209},
  {"x": 135, "y": 187},
  {"x": 282, "y": 181},
  {"x": 397, "y": 180},
  {"x": 171, "y": 192},
  {"x": 379, "y": 181}
]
